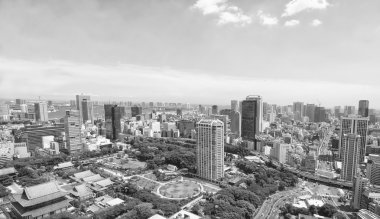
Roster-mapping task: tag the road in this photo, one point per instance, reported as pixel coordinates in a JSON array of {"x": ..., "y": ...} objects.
[{"x": 270, "y": 208}]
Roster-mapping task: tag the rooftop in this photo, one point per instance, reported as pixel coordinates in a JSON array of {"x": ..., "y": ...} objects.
[
  {"x": 83, "y": 174},
  {"x": 6, "y": 171}
]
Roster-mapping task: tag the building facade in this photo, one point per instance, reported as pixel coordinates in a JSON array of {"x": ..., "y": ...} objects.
[
  {"x": 351, "y": 144},
  {"x": 73, "y": 126},
  {"x": 354, "y": 125},
  {"x": 251, "y": 117},
  {"x": 113, "y": 120},
  {"x": 41, "y": 111},
  {"x": 210, "y": 149},
  {"x": 363, "y": 108}
]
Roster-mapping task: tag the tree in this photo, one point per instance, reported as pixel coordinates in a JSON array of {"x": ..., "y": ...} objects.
[
  {"x": 327, "y": 210},
  {"x": 313, "y": 209}
]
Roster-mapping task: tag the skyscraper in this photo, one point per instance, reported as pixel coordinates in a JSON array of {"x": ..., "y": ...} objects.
[
  {"x": 310, "y": 112},
  {"x": 41, "y": 111},
  {"x": 363, "y": 108},
  {"x": 4, "y": 110},
  {"x": 136, "y": 110},
  {"x": 210, "y": 149},
  {"x": 87, "y": 111},
  {"x": 215, "y": 110},
  {"x": 349, "y": 110},
  {"x": 359, "y": 183},
  {"x": 354, "y": 125},
  {"x": 79, "y": 100},
  {"x": 280, "y": 152},
  {"x": 20, "y": 101},
  {"x": 319, "y": 114},
  {"x": 235, "y": 123},
  {"x": 113, "y": 120},
  {"x": 251, "y": 118},
  {"x": 234, "y": 105},
  {"x": 337, "y": 111},
  {"x": 298, "y": 110},
  {"x": 73, "y": 125},
  {"x": 373, "y": 169},
  {"x": 351, "y": 144}
]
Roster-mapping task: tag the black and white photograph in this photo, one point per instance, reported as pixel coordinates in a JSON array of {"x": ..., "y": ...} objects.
[{"x": 189, "y": 109}]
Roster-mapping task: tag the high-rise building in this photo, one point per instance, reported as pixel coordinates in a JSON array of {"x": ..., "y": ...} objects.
[
  {"x": 310, "y": 112},
  {"x": 319, "y": 114},
  {"x": 373, "y": 169},
  {"x": 266, "y": 108},
  {"x": 73, "y": 125},
  {"x": 24, "y": 108},
  {"x": 235, "y": 123},
  {"x": 179, "y": 112},
  {"x": 20, "y": 101},
  {"x": 234, "y": 105},
  {"x": 359, "y": 184},
  {"x": 251, "y": 117},
  {"x": 363, "y": 108},
  {"x": 79, "y": 100},
  {"x": 33, "y": 135},
  {"x": 4, "y": 110},
  {"x": 351, "y": 144},
  {"x": 337, "y": 111},
  {"x": 349, "y": 110},
  {"x": 113, "y": 120},
  {"x": 185, "y": 127},
  {"x": 280, "y": 151},
  {"x": 87, "y": 111},
  {"x": 298, "y": 110},
  {"x": 136, "y": 110},
  {"x": 72, "y": 103},
  {"x": 41, "y": 111},
  {"x": 354, "y": 125},
  {"x": 215, "y": 110},
  {"x": 210, "y": 149}
]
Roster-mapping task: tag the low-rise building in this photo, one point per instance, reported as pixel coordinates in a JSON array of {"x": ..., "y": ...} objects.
[{"x": 40, "y": 201}]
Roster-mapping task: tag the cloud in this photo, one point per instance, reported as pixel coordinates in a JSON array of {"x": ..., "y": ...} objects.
[
  {"x": 297, "y": 6},
  {"x": 316, "y": 22},
  {"x": 267, "y": 19},
  {"x": 291, "y": 23},
  {"x": 225, "y": 12}
]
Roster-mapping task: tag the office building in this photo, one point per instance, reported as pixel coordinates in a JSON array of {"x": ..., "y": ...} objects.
[
  {"x": 4, "y": 110},
  {"x": 210, "y": 149},
  {"x": 354, "y": 125},
  {"x": 179, "y": 112},
  {"x": 251, "y": 117},
  {"x": 349, "y": 110},
  {"x": 351, "y": 144},
  {"x": 363, "y": 108},
  {"x": 373, "y": 169},
  {"x": 20, "y": 101},
  {"x": 79, "y": 100},
  {"x": 280, "y": 151},
  {"x": 41, "y": 111},
  {"x": 234, "y": 105},
  {"x": 87, "y": 111},
  {"x": 310, "y": 112},
  {"x": 185, "y": 127},
  {"x": 33, "y": 135},
  {"x": 319, "y": 114},
  {"x": 337, "y": 111},
  {"x": 24, "y": 108},
  {"x": 136, "y": 110},
  {"x": 214, "y": 110},
  {"x": 73, "y": 126},
  {"x": 298, "y": 110},
  {"x": 359, "y": 184},
  {"x": 235, "y": 124},
  {"x": 113, "y": 120}
]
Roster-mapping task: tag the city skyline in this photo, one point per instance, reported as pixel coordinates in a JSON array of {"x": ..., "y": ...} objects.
[{"x": 307, "y": 48}]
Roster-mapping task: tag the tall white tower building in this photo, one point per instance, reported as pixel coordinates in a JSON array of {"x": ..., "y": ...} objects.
[{"x": 210, "y": 149}]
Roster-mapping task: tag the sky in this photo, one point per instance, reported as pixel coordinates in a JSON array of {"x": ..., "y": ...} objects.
[{"x": 197, "y": 51}]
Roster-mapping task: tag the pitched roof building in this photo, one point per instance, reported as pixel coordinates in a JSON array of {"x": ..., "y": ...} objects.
[{"x": 40, "y": 201}]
